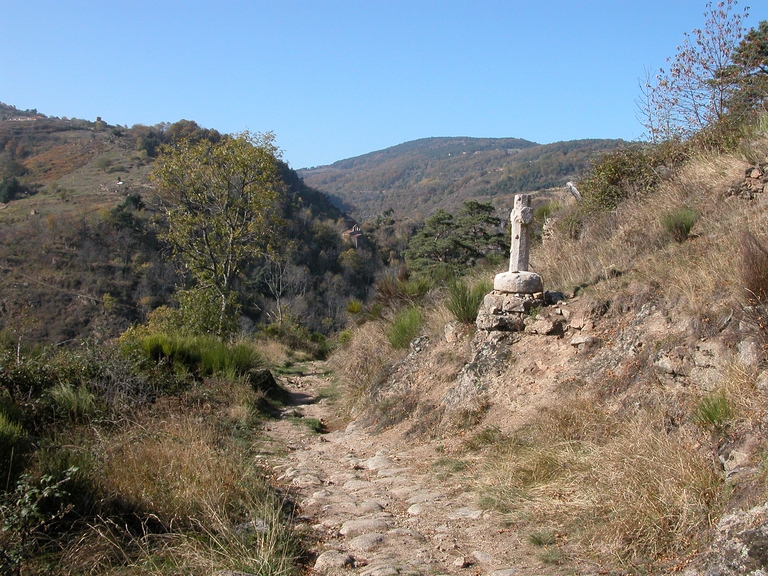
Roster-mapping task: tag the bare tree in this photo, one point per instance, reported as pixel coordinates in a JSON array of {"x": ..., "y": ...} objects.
[
  {"x": 693, "y": 91},
  {"x": 282, "y": 280}
]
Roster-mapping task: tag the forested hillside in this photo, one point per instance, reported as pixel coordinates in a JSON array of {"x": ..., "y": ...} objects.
[
  {"x": 418, "y": 177},
  {"x": 80, "y": 254}
]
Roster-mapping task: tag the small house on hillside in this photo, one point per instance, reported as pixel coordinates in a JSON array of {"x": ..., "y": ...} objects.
[{"x": 354, "y": 236}]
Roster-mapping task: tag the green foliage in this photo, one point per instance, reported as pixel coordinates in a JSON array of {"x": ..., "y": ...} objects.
[
  {"x": 543, "y": 537},
  {"x": 679, "y": 222},
  {"x": 23, "y": 512},
  {"x": 394, "y": 292},
  {"x": 12, "y": 167},
  {"x": 751, "y": 62},
  {"x": 405, "y": 326},
  {"x": 201, "y": 312},
  {"x": 220, "y": 201},
  {"x": 75, "y": 403},
  {"x": 73, "y": 383},
  {"x": 354, "y": 306},
  {"x": 457, "y": 241},
  {"x": 464, "y": 300},
  {"x": 713, "y": 411},
  {"x": 314, "y": 425},
  {"x": 345, "y": 337},
  {"x": 544, "y": 211},
  {"x": 13, "y": 448},
  {"x": 629, "y": 172},
  {"x": 201, "y": 355},
  {"x": 11, "y": 188},
  {"x": 298, "y": 337}
]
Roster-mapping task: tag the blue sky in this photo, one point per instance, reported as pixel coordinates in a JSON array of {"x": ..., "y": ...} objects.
[{"x": 336, "y": 79}]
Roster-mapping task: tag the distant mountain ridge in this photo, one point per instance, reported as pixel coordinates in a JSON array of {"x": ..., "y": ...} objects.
[{"x": 417, "y": 177}]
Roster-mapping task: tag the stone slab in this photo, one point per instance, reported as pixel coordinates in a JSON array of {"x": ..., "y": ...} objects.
[{"x": 518, "y": 282}]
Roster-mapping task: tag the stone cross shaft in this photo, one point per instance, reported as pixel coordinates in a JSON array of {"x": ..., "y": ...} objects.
[{"x": 521, "y": 219}]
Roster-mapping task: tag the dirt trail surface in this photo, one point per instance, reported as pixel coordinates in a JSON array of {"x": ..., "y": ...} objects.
[{"x": 377, "y": 504}]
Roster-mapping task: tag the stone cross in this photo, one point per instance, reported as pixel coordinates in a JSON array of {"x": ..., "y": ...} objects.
[
  {"x": 521, "y": 219},
  {"x": 519, "y": 280}
]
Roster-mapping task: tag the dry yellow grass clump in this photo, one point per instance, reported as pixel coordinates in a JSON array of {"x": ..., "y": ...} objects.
[
  {"x": 178, "y": 489},
  {"x": 616, "y": 488},
  {"x": 633, "y": 240}
]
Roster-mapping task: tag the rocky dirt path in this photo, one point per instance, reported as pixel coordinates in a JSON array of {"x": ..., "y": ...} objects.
[{"x": 377, "y": 506}]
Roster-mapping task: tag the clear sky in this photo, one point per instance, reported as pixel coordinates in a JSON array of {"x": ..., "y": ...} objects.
[{"x": 335, "y": 79}]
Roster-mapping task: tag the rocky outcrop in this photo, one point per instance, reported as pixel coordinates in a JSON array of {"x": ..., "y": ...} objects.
[{"x": 755, "y": 182}]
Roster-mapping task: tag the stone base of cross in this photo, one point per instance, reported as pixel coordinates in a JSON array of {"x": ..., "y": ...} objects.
[{"x": 521, "y": 282}]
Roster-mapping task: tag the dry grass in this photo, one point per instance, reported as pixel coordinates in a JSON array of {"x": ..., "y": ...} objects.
[
  {"x": 175, "y": 466},
  {"x": 276, "y": 353},
  {"x": 749, "y": 404},
  {"x": 435, "y": 320},
  {"x": 180, "y": 492},
  {"x": 652, "y": 494},
  {"x": 361, "y": 363},
  {"x": 633, "y": 240},
  {"x": 623, "y": 490}
]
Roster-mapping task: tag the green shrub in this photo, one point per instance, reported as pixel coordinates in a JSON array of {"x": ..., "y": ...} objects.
[
  {"x": 464, "y": 301},
  {"x": 34, "y": 504},
  {"x": 394, "y": 292},
  {"x": 627, "y": 172},
  {"x": 679, "y": 222},
  {"x": 404, "y": 327},
  {"x": 571, "y": 224},
  {"x": 298, "y": 337},
  {"x": 713, "y": 411},
  {"x": 354, "y": 306},
  {"x": 542, "y": 538},
  {"x": 77, "y": 404},
  {"x": 13, "y": 447},
  {"x": 345, "y": 337},
  {"x": 544, "y": 211},
  {"x": 201, "y": 355},
  {"x": 11, "y": 188}
]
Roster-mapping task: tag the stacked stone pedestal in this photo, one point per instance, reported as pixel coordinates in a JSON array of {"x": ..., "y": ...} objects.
[{"x": 505, "y": 311}]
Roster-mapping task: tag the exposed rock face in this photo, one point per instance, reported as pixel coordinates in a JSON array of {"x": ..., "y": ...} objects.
[
  {"x": 740, "y": 545},
  {"x": 468, "y": 396},
  {"x": 505, "y": 311}
]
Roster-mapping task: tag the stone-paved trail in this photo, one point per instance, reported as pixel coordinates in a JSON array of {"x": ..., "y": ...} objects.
[{"x": 379, "y": 508}]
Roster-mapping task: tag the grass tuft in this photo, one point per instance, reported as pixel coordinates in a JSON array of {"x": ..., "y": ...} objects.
[
  {"x": 77, "y": 404},
  {"x": 464, "y": 300},
  {"x": 405, "y": 326},
  {"x": 679, "y": 222},
  {"x": 754, "y": 269},
  {"x": 542, "y": 537},
  {"x": 713, "y": 411}
]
